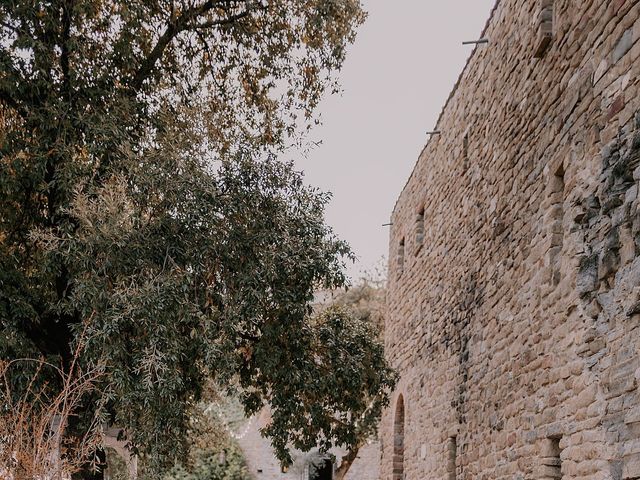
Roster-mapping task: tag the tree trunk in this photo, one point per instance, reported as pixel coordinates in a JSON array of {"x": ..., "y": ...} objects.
[{"x": 345, "y": 463}]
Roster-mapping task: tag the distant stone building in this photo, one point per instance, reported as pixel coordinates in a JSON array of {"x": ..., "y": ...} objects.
[
  {"x": 514, "y": 283},
  {"x": 263, "y": 464}
]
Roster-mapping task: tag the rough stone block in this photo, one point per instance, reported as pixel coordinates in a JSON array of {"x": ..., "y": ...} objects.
[
  {"x": 631, "y": 467},
  {"x": 623, "y": 46},
  {"x": 587, "y": 277}
]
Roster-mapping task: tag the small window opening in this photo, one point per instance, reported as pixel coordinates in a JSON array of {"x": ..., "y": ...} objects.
[
  {"x": 452, "y": 454},
  {"x": 550, "y": 461},
  {"x": 401, "y": 256},
  {"x": 420, "y": 228},
  {"x": 545, "y": 28},
  {"x": 556, "y": 219},
  {"x": 465, "y": 151}
]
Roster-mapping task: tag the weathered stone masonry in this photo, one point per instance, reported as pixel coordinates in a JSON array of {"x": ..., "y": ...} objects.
[{"x": 514, "y": 287}]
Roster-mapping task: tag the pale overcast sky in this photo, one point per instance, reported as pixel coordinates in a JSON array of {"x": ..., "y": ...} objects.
[{"x": 396, "y": 79}]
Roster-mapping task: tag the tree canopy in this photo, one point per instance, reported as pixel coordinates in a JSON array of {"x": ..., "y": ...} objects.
[{"x": 142, "y": 203}]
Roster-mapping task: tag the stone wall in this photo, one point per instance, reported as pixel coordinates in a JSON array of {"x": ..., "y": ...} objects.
[{"x": 514, "y": 283}]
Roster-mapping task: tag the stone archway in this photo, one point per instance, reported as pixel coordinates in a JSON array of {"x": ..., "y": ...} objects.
[{"x": 398, "y": 440}]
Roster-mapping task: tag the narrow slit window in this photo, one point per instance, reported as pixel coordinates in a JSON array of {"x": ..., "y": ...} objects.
[
  {"x": 556, "y": 220},
  {"x": 545, "y": 28},
  {"x": 452, "y": 454},
  {"x": 420, "y": 228},
  {"x": 401, "y": 256},
  {"x": 551, "y": 461},
  {"x": 465, "y": 151}
]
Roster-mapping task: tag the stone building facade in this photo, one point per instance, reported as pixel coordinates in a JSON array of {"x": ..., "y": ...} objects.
[{"x": 514, "y": 282}]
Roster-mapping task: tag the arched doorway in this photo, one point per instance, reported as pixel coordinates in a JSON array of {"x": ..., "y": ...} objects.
[
  {"x": 322, "y": 469},
  {"x": 398, "y": 441}
]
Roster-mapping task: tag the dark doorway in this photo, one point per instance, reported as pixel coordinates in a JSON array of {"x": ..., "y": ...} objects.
[{"x": 321, "y": 470}]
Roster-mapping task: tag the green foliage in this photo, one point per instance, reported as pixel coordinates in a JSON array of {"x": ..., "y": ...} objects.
[
  {"x": 226, "y": 464},
  {"x": 363, "y": 307},
  {"x": 213, "y": 454},
  {"x": 140, "y": 197},
  {"x": 334, "y": 386},
  {"x": 366, "y": 300},
  {"x": 118, "y": 469}
]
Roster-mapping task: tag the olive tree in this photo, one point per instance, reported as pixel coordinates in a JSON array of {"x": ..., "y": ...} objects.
[{"x": 141, "y": 197}]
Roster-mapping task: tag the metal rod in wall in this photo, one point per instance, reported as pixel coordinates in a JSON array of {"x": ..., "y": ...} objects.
[{"x": 476, "y": 42}]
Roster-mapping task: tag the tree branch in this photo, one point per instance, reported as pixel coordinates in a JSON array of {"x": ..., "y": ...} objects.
[
  {"x": 224, "y": 21},
  {"x": 6, "y": 95},
  {"x": 9, "y": 101},
  {"x": 65, "y": 56},
  {"x": 182, "y": 23}
]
